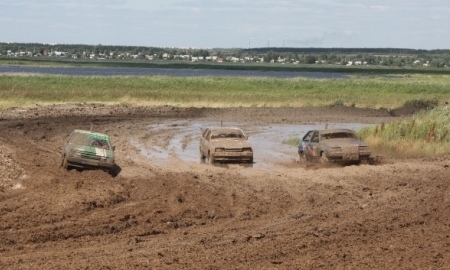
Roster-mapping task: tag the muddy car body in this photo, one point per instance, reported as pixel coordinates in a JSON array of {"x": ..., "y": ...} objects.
[
  {"x": 225, "y": 144},
  {"x": 86, "y": 149},
  {"x": 333, "y": 145}
]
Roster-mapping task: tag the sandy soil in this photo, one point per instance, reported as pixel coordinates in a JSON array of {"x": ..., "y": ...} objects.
[{"x": 176, "y": 214}]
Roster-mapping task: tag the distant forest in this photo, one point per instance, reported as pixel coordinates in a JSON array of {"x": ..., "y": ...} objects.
[{"x": 398, "y": 57}]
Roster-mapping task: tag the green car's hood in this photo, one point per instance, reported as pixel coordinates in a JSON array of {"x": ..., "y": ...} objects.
[{"x": 92, "y": 151}]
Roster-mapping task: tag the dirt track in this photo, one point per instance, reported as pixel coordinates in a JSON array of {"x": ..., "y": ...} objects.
[{"x": 189, "y": 215}]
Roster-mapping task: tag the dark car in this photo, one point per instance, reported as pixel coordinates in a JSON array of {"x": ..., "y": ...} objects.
[
  {"x": 333, "y": 145},
  {"x": 86, "y": 149},
  {"x": 225, "y": 144}
]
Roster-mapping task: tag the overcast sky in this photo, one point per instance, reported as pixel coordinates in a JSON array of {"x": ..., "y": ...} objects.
[{"x": 412, "y": 24}]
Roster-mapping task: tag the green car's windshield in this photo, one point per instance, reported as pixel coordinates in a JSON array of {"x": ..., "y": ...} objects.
[{"x": 91, "y": 140}]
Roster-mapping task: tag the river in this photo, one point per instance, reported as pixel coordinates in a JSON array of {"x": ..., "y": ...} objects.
[{"x": 182, "y": 72}]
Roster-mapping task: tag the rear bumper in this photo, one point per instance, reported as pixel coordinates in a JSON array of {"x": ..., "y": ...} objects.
[{"x": 347, "y": 158}]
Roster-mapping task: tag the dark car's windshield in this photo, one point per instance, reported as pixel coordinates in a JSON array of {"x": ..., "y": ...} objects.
[
  {"x": 337, "y": 135},
  {"x": 90, "y": 140}
]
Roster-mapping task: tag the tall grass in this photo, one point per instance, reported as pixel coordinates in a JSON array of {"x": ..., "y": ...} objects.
[
  {"x": 423, "y": 135},
  {"x": 292, "y": 141},
  {"x": 365, "y": 92}
]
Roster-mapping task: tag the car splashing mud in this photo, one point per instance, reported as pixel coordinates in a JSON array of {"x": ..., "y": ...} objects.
[{"x": 167, "y": 210}]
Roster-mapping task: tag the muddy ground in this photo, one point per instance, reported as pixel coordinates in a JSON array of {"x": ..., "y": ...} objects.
[{"x": 169, "y": 213}]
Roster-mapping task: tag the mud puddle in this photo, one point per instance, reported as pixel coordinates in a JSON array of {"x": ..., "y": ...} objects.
[{"x": 180, "y": 140}]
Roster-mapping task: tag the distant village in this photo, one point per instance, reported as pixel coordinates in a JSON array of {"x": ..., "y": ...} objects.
[
  {"x": 163, "y": 56},
  {"x": 274, "y": 55}
]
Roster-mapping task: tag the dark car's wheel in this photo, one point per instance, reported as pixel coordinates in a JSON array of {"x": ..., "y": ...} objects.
[
  {"x": 302, "y": 158},
  {"x": 211, "y": 158},
  {"x": 323, "y": 158}
]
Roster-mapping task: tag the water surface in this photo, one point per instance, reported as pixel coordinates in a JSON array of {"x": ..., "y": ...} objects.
[{"x": 182, "y": 72}]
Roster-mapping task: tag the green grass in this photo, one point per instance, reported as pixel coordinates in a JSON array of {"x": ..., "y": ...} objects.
[
  {"x": 292, "y": 141},
  {"x": 364, "y": 92},
  {"x": 426, "y": 134}
]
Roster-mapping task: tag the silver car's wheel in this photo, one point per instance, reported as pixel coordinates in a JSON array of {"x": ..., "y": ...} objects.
[
  {"x": 202, "y": 156},
  {"x": 211, "y": 158}
]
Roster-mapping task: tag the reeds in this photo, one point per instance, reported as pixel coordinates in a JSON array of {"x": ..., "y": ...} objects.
[
  {"x": 425, "y": 134},
  {"x": 292, "y": 141}
]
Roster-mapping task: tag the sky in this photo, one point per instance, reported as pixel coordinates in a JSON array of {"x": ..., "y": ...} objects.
[{"x": 412, "y": 24}]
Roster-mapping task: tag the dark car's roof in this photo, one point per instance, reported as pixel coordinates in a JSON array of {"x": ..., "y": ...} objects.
[
  {"x": 336, "y": 130},
  {"x": 331, "y": 130}
]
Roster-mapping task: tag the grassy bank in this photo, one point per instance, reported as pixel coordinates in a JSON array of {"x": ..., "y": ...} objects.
[
  {"x": 426, "y": 134},
  {"x": 364, "y": 92}
]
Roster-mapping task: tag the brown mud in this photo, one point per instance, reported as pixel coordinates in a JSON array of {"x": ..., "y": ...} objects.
[{"x": 394, "y": 214}]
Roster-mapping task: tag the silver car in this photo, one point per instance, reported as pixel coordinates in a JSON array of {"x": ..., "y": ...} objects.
[
  {"x": 333, "y": 145},
  {"x": 225, "y": 144}
]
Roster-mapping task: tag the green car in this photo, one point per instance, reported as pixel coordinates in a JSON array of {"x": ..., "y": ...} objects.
[{"x": 86, "y": 149}]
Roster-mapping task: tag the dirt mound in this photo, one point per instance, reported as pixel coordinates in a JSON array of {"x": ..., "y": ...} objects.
[
  {"x": 176, "y": 214},
  {"x": 11, "y": 174},
  {"x": 414, "y": 106},
  {"x": 240, "y": 114}
]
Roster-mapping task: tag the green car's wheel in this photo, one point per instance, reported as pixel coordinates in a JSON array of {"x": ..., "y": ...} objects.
[{"x": 64, "y": 163}]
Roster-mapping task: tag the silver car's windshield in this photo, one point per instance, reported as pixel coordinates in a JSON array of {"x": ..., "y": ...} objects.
[
  {"x": 337, "y": 135},
  {"x": 233, "y": 134}
]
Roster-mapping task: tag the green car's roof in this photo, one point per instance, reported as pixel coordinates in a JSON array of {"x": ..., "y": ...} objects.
[{"x": 92, "y": 134}]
